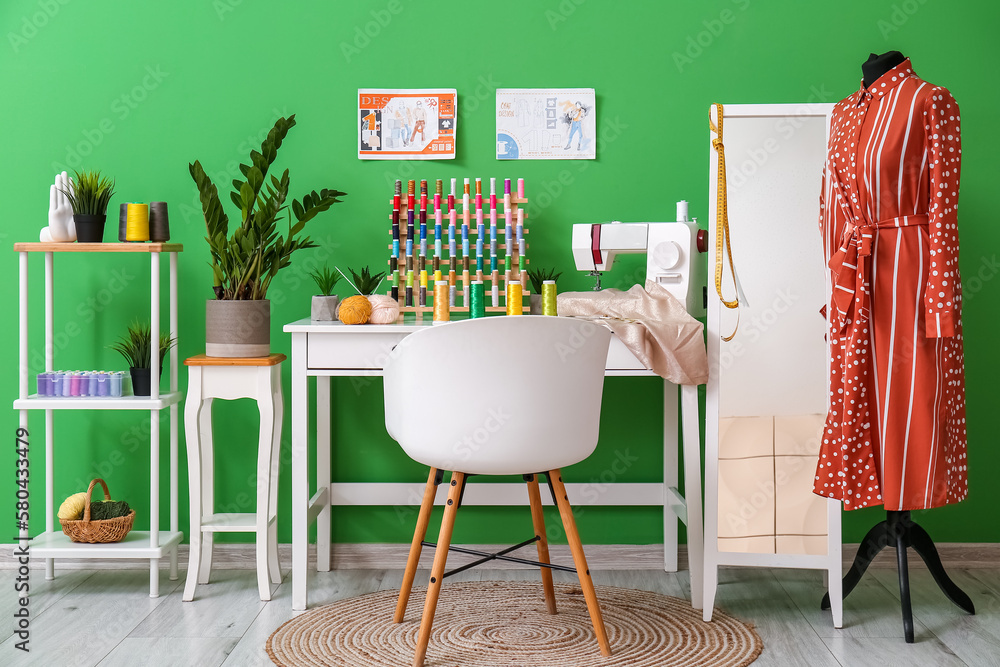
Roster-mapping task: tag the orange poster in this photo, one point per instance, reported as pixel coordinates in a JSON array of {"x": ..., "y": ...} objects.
[{"x": 406, "y": 124}]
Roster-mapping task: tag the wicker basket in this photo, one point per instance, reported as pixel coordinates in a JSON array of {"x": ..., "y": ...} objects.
[{"x": 98, "y": 532}]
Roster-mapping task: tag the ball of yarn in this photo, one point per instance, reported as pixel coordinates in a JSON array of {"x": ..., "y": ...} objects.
[
  {"x": 355, "y": 310},
  {"x": 385, "y": 309}
]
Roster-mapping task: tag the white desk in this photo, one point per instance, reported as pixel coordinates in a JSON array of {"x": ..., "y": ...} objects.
[{"x": 331, "y": 349}]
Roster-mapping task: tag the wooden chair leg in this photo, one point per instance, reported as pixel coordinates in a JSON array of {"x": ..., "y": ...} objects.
[
  {"x": 437, "y": 570},
  {"x": 580, "y": 560},
  {"x": 538, "y": 520},
  {"x": 424, "y": 518}
]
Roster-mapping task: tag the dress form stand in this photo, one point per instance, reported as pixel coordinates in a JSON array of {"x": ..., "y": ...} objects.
[{"x": 900, "y": 531}]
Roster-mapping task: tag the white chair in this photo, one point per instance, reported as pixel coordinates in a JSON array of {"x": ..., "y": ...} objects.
[{"x": 497, "y": 396}]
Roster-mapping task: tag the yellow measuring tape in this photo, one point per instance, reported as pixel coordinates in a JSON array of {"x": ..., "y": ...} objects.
[{"x": 722, "y": 237}]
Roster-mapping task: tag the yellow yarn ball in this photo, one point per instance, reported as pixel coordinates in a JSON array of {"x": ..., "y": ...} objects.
[
  {"x": 385, "y": 309},
  {"x": 355, "y": 310},
  {"x": 72, "y": 508}
]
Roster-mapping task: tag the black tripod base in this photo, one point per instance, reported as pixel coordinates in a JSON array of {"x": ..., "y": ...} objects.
[{"x": 900, "y": 531}]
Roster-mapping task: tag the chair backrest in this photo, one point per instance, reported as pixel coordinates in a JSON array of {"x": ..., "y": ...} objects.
[{"x": 498, "y": 395}]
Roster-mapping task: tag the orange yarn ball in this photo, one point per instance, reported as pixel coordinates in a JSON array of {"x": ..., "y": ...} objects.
[{"x": 355, "y": 310}]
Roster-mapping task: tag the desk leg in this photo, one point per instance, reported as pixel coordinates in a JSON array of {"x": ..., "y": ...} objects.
[
  {"x": 323, "y": 471},
  {"x": 692, "y": 491},
  {"x": 670, "y": 475},
  {"x": 300, "y": 473}
]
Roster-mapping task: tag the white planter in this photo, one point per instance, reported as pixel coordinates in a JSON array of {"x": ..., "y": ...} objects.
[{"x": 324, "y": 308}]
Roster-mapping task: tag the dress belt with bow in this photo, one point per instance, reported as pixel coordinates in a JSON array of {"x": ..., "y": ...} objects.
[{"x": 851, "y": 267}]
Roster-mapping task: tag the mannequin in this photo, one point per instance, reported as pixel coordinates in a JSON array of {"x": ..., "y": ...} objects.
[
  {"x": 858, "y": 257},
  {"x": 877, "y": 65}
]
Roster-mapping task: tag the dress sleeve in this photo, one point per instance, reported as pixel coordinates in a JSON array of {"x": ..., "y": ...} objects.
[{"x": 944, "y": 148}]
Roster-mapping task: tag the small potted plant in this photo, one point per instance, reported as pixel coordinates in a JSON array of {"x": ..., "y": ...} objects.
[
  {"x": 135, "y": 347},
  {"x": 324, "y": 304},
  {"x": 539, "y": 276},
  {"x": 246, "y": 257},
  {"x": 89, "y": 198},
  {"x": 367, "y": 306}
]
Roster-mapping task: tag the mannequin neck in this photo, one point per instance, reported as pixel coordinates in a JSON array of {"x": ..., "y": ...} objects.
[{"x": 877, "y": 65}]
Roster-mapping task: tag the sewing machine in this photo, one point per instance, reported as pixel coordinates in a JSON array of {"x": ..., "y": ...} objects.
[{"x": 670, "y": 247}]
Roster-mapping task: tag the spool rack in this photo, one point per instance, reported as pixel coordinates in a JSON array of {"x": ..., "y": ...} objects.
[{"x": 518, "y": 272}]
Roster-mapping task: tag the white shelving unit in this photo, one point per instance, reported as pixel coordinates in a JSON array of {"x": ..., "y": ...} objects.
[{"x": 152, "y": 544}]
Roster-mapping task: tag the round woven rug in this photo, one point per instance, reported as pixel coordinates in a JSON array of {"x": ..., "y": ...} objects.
[{"x": 493, "y": 623}]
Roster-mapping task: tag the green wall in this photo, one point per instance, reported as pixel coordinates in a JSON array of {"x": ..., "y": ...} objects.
[{"x": 141, "y": 89}]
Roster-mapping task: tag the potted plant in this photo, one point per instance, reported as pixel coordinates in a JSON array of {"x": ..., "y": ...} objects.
[
  {"x": 324, "y": 304},
  {"x": 539, "y": 276},
  {"x": 244, "y": 262},
  {"x": 89, "y": 197},
  {"x": 367, "y": 306},
  {"x": 135, "y": 346}
]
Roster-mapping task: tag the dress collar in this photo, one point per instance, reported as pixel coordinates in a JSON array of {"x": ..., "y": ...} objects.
[{"x": 885, "y": 83}]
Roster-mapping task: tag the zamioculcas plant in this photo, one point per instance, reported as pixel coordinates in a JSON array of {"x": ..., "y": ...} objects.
[{"x": 245, "y": 262}]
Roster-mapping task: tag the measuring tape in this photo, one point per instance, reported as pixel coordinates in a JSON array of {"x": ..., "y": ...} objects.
[{"x": 722, "y": 237}]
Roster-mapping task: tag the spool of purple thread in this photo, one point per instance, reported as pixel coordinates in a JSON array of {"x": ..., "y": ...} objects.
[
  {"x": 103, "y": 384},
  {"x": 44, "y": 384}
]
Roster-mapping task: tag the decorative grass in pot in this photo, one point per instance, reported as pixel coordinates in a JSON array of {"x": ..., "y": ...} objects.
[
  {"x": 89, "y": 198},
  {"x": 135, "y": 347},
  {"x": 324, "y": 304}
]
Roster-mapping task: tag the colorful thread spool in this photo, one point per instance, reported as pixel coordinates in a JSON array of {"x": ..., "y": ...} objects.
[
  {"x": 549, "y": 298},
  {"x": 44, "y": 384},
  {"x": 442, "y": 313},
  {"x": 514, "y": 299},
  {"x": 137, "y": 222},
  {"x": 477, "y": 300},
  {"x": 159, "y": 223}
]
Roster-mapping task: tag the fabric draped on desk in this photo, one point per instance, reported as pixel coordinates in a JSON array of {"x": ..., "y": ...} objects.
[{"x": 652, "y": 323}]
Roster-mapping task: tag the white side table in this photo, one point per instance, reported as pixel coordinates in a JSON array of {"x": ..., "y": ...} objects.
[{"x": 230, "y": 378}]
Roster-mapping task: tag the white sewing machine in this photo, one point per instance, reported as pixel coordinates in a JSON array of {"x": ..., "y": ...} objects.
[{"x": 671, "y": 249}]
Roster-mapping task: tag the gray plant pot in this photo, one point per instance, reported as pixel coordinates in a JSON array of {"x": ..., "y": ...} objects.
[
  {"x": 536, "y": 304},
  {"x": 324, "y": 308},
  {"x": 238, "y": 328}
]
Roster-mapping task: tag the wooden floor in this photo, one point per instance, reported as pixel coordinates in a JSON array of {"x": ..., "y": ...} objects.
[{"x": 104, "y": 617}]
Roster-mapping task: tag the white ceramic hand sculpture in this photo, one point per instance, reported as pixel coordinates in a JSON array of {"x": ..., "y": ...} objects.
[{"x": 61, "y": 228}]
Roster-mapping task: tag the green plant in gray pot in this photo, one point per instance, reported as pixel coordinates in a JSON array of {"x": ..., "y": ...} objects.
[
  {"x": 89, "y": 198},
  {"x": 244, "y": 262},
  {"x": 324, "y": 304},
  {"x": 537, "y": 277},
  {"x": 136, "y": 347}
]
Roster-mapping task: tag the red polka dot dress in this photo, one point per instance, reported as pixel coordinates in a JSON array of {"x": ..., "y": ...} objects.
[{"x": 895, "y": 430}]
